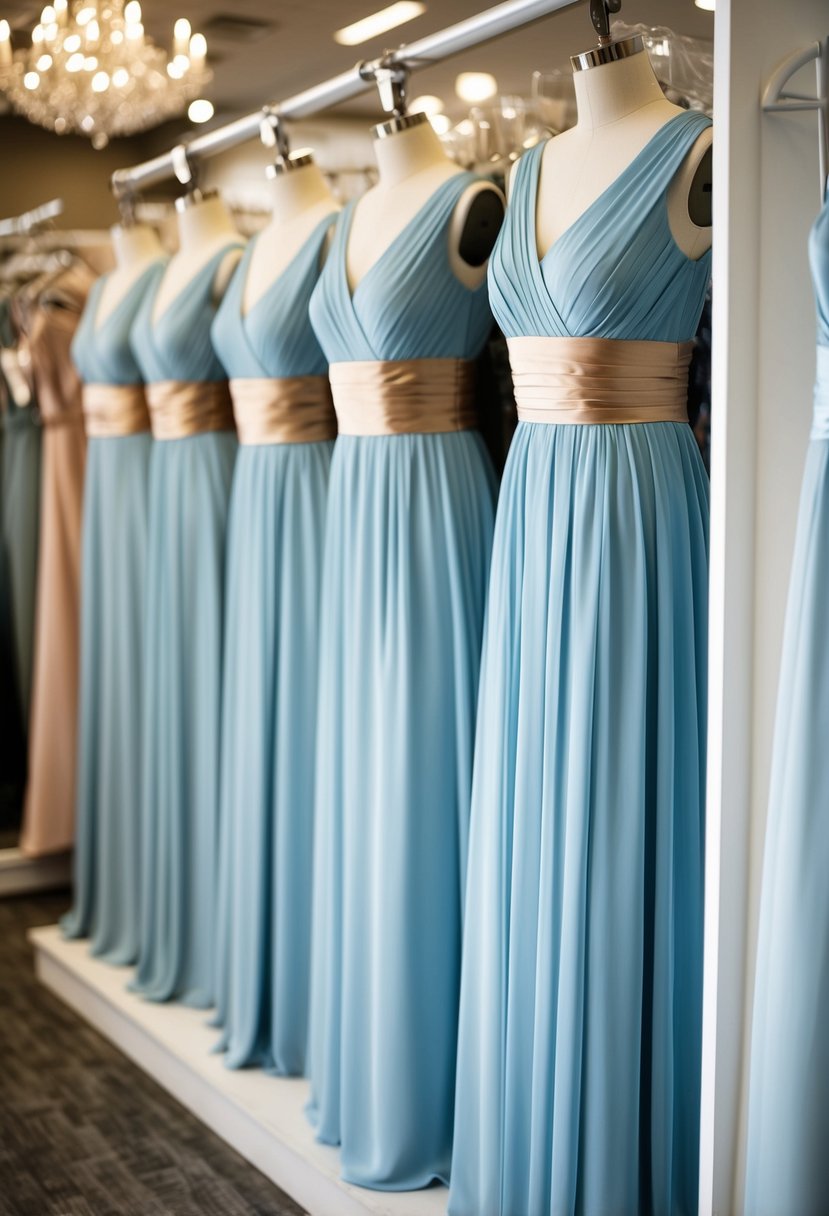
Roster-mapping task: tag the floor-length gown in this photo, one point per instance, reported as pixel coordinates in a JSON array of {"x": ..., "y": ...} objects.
[
  {"x": 191, "y": 467},
  {"x": 580, "y": 1022},
  {"x": 49, "y": 807},
  {"x": 114, "y": 551},
  {"x": 286, "y": 424},
  {"x": 407, "y": 548},
  {"x": 787, "y": 1164}
]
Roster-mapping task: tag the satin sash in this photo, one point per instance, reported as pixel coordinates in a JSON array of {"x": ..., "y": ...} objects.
[
  {"x": 403, "y": 397},
  {"x": 290, "y": 409},
  {"x": 599, "y": 380},
  {"x": 181, "y": 408},
  {"x": 820, "y": 416},
  {"x": 111, "y": 410}
]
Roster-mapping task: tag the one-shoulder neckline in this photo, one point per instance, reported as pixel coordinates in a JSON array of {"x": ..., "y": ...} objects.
[
  {"x": 348, "y": 219},
  {"x": 646, "y": 148},
  {"x": 156, "y": 321},
  {"x": 98, "y": 326},
  {"x": 244, "y": 314}
]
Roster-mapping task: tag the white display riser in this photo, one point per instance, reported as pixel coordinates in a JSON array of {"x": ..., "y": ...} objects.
[
  {"x": 20, "y": 875},
  {"x": 262, "y": 1117}
]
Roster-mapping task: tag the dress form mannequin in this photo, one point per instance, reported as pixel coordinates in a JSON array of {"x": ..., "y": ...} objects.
[
  {"x": 301, "y": 200},
  {"x": 412, "y": 165},
  {"x": 204, "y": 228},
  {"x": 621, "y": 106},
  {"x": 135, "y": 246}
]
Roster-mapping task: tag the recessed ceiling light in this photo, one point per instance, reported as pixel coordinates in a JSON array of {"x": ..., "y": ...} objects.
[
  {"x": 476, "y": 86},
  {"x": 378, "y": 23},
  {"x": 427, "y": 104},
  {"x": 708, "y": 5},
  {"x": 200, "y": 110}
]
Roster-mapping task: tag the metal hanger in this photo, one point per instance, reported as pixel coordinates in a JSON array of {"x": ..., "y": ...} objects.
[
  {"x": 273, "y": 134},
  {"x": 392, "y": 80},
  {"x": 607, "y": 51},
  {"x": 777, "y": 98},
  {"x": 185, "y": 168}
]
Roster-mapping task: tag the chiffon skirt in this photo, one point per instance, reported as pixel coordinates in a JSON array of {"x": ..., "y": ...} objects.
[
  {"x": 580, "y": 1021},
  {"x": 108, "y": 808},
  {"x": 20, "y": 517},
  {"x": 274, "y": 566},
  {"x": 189, "y": 491},
  {"x": 787, "y": 1167},
  {"x": 407, "y": 549}
]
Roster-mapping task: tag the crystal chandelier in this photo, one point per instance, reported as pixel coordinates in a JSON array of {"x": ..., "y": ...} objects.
[{"x": 91, "y": 69}]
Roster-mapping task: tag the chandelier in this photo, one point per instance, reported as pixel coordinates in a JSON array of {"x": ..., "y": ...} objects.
[{"x": 92, "y": 70}]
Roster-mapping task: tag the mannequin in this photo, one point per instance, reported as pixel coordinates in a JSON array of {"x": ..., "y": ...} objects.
[
  {"x": 204, "y": 228},
  {"x": 412, "y": 165},
  {"x": 135, "y": 246},
  {"x": 301, "y": 200},
  {"x": 620, "y": 106}
]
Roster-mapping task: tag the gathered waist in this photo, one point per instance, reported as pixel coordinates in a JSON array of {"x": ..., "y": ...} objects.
[
  {"x": 403, "y": 396},
  {"x": 820, "y": 414},
  {"x": 111, "y": 410},
  {"x": 181, "y": 408},
  {"x": 590, "y": 381},
  {"x": 287, "y": 409}
]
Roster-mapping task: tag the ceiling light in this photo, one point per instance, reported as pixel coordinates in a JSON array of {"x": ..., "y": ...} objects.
[
  {"x": 200, "y": 110},
  {"x": 31, "y": 80},
  {"x": 475, "y": 86},
  {"x": 72, "y": 42},
  {"x": 427, "y": 104},
  {"x": 132, "y": 12},
  {"x": 120, "y": 77},
  {"x": 44, "y": 63},
  {"x": 442, "y": 123},
  {"x": 100, "y": 82},
  {"x": 378, "y": 23},
  {"x": 708, "y": 5}
]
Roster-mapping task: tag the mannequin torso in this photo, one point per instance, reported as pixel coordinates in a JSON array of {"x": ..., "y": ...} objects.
[
  {"x": 301, "y": 200},
  {"x": 204, "y": 228},
  {"x": 620, "y": 108},
  {"x": 135, "y": 247},
  {"x": 412, "y": 166}
]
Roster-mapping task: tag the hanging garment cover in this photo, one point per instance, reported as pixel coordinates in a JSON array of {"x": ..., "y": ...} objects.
[
  {"x": 286, "y": 425},
  {"x": 408, "y": 535},
  {"x": 579, "y": 1041},
  {"x": 48, "y": 812},
  {"x": 20, "y": 512},
  {"x": 191, "y": 467},
  {"x": 787, "y": 1168},
  {"x": 107, "y": 809}
]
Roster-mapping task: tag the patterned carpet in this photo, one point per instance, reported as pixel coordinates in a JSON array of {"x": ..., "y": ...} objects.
[{"x": 82, "y": 1131}]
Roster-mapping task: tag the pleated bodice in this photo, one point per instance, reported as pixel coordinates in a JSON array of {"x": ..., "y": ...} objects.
[
  {"x": 617, "y": 271},
  {"x": 273, "y": 338},
  {"x": 101, "y": 350},
  {"x": 409, "y": 304}
]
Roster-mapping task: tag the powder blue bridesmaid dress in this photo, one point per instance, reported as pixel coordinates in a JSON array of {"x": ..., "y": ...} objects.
[
  {"x": 580, "y": 1022},
  {"x": 113, "y": 574},
  {"x": 787, "y": 1166},
  {"x": 407, "y": 553},
  {"x": 274, "y": 564},
  {"x": 189, "y": 491}
]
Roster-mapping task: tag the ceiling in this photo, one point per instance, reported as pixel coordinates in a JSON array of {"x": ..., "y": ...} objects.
[{"x": 262, "y": 50}]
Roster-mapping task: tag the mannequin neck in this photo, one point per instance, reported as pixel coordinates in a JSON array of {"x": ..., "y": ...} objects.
[
  {"x": 204, "y": 223},
  {"x": 405, "y": 153},
  {"x": 134, "y": 245},
  {"x": 296, "y": 192},
  {"x": 611, "y": 91}
]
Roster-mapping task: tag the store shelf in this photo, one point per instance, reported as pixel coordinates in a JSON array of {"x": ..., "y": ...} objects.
[
  {"x": 259, "y": 1116},
  {"x": 20, "y": 874}
]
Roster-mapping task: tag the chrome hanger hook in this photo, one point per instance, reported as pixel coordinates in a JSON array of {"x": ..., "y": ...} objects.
[
  {"x": 273, "y": 133},
  {"x": 392, "y": 80},
  {"x": 600, "y": 11}
]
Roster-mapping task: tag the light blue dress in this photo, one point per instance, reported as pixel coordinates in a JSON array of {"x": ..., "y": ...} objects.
[
  {"x": 580, "y": 1023},
  {"x": 787, "y": 1163},
  {"x": 406, "y": 558},
  {"x": 274, "y": 565},
  {"x": 113, "y": 575},
  {"x": 189, "y": 492}
]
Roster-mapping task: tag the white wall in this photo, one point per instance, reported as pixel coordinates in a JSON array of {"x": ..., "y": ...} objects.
[{"x": 766, "y": 197}]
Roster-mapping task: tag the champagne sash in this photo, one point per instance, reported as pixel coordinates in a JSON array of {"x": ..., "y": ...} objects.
[
  {"x": 290, "y": 409},
  {"x": 600, "y": 380},
  {"x": 403, "y": 397},
  {"x": 111, "y": 410},
  {"x": 181, "y": 408}
]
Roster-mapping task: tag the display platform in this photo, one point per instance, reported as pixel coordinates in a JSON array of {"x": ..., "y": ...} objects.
[
  {"x": 20, "y": 874},
  {"x": 259, "y": 1116}
]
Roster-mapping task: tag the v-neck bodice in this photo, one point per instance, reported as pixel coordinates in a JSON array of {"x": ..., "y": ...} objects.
[
  {"x": 274, "y": 337},
  {"x": 176, "y": 344},
  {"x": 819, "y": 261},
  {"x": 409, "y": 304},
  {"x": 616, "y": 271},
  {"x": 101, "y": 348}
]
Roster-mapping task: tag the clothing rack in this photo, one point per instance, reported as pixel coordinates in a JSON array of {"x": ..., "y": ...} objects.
[
  {"x": 29, "y": 221},
  {"x": 433, "y": 48}
]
